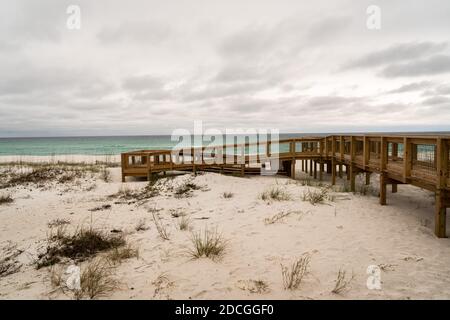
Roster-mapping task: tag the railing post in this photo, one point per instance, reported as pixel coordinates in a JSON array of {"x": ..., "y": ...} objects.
[
  {"x": 442, "y": 167},
  {"x": 333, "y": 161},
  {"x": 352, "y": 166},
  {"x": 366, "y": 152},
  {"x": 407, "y": 159},
  {"x": 383, "y": 154}
]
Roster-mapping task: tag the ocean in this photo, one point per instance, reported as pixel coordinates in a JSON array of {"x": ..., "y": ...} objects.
[
  {"x": 106, "y": 145},
  {"x": 88, "y": 145}
]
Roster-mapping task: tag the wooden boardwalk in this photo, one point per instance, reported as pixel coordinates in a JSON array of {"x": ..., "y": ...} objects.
[{"x": 422, "y": 161}]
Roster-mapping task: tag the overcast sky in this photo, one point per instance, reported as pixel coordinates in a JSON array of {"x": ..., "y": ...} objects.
[{"x": 148, "y": 67}]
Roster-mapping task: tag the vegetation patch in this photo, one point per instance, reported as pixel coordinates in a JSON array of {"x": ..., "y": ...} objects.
[
  {"x": 276, "y": 194},
  {"x": 6, "y": 198},
  {"x": 8, "y": 261},
  {"x": 315, "y": 196},
  {"x": 342, "y": 282},
  {"x": 209, "y": 244},
  {"x": 293, "y": 275},
  {"x": 79, "y": 246}
]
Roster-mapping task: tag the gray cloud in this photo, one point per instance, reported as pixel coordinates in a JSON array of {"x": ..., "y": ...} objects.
[
  {"x": 437, "y": 64},
  {"x": 436, "y": 100},
  {"x": 414, "y": 86},
  {"x": 148, "y": 66},
  {"x": 397, "y": 53}
]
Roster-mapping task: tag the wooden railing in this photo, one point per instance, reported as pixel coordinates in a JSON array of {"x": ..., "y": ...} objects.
[{"x": 423, "y": 161}]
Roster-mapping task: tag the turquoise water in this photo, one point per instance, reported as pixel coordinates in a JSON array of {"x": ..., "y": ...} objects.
[
  {"x": 101, "y": 145},
  {"x": 88, "y": 145}
]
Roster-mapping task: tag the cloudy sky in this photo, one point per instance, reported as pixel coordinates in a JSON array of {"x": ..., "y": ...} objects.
[{"x": 148, "y": 67}]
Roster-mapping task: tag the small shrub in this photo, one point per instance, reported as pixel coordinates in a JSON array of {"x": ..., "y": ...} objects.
[
  {"x": 209, "y": 244},
  {"x": 293, "y": 276}
]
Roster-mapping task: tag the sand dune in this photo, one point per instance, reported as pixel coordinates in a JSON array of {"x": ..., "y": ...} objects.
[{"x": 346, "y": 232}]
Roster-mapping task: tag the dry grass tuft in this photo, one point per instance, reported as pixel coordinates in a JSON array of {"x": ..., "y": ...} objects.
[
  {"x": 254, "y": 286},
  {"x": 342, "y": 282},
  {"x": 141, "y": 225},
  {"x": 96, "y": 280},
  {"x": 186, "y": 189},
  {"x": 227, "y": 195},
  {"x": 42, "y": 173},
  {"x": 116, "y": 255},
  {"x": 8, "y": 261},
  {"x": 56, "y": 276},
  {"x": 279, "y": 216},
  {"x": 276, "y": 194},
  {"x": 149, "y": 191},
  {"x": 58, "y": 223},
  {"x": 6, "y": 198},
  {"x": 293, "y": 276},
  {"x": 184, "y": 223},
  {"x": 210, "y": 244},
  {"x": 160, "y": 227},
  {"x": 105, "y": 175},
  {"x": 82, "y": 244},
  {"x": 315, "y": 196}
]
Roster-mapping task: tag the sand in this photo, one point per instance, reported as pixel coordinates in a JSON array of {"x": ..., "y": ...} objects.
[{"x": 348, "y": 232}]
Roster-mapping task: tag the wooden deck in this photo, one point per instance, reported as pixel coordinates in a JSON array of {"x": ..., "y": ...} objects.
[{"x": 422, "y": 161}]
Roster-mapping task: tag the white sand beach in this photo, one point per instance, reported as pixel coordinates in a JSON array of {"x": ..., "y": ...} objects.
[{"x": 347, "y": 232}]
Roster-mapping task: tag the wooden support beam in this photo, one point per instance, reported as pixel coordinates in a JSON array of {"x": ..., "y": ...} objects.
[
  {"x": 383, "y": 154},
  {"x": 440, "y": 219},
  {"x": 352, "y": 176},
  {"x": 407, "y": 159},
  {"x": 315, "y": 168},
  {"x": 383, "y": 189},
  {"x": 242, "y": 169},
  {"x": 347, "y": 171},
  {"x": 311, "y": 167},
  {"x": 321, "y": 170},
  {"x": 333, "y": 171},
  {"x": 394, "y": 188},
  {"x": 340, "y": 170},
  {"x": 303, "y": 165},
  {"x": 367, "y": 178},
  {"x": 293, "y": 169}
]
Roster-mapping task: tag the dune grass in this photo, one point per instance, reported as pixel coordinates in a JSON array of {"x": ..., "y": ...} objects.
[
  {"x": 276, "y": 194},
  {"x": 293, "y": 275},
  {"x": 79, "y": 246},
  {"x": 209, "y": 244}
]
